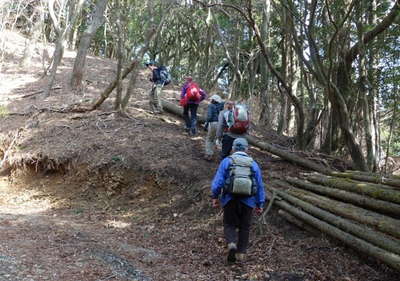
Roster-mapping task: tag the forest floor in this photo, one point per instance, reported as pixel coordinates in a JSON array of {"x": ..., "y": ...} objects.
[{"x": 99, "y": 196}]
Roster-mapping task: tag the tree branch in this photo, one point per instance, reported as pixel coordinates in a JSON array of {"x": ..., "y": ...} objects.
[{"x": 370, "y": 35}]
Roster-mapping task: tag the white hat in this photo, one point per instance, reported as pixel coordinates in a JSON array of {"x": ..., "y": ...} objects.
[
  {"x": 216, "y": 98},
  {"x": 240, "y": 144}
]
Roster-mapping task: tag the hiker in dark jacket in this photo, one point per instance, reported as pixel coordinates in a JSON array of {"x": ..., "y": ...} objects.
[
  {"x": 223, "y": 134},
  {"x": 156, "y": 89},
  {"x": 191, "y": 106},
  {"x": 213, "y": 110},
  {"x": 237, "y": 209}
]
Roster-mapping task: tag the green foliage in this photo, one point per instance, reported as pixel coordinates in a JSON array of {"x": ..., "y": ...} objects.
[{"x": 201, "y": 42}]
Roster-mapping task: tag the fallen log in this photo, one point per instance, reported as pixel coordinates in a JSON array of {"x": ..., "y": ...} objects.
[
  {"x": 388, "y": 258},
  {"x": 369, "y": 189},
  {"x": 291, "y": 157},
  {"x": 374, "y": 178},
  {"x": 382, "y": 223},
  {"x": 343, "y": 195},
  {"x": 374, "y": 237},
  {"x": 175, "y": 109}
]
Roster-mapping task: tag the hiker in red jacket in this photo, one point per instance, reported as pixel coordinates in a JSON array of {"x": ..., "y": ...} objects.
[{"x": 191, "y": 96}]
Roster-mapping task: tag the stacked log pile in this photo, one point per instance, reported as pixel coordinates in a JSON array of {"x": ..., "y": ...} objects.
[{"x": 364, "y": 214}]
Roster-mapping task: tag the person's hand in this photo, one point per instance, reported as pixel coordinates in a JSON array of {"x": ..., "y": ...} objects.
[
  {"x": 215, "y": 203},
  {"x": 259, "y": 211}
]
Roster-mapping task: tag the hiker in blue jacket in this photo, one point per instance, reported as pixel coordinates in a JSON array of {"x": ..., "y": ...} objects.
[
  {"x": 213, "y": 109},
  {"x": 237, "y": 209}
]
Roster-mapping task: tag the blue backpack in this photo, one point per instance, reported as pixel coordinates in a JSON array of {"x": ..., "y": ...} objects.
[{"x": 165, "y": 76}]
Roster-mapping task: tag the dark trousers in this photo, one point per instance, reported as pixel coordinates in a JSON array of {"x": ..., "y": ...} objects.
[
  {"x": 191, "y": 121},
  {"x": 227, "y": 142},
  {"x": 237, "y": 221}
]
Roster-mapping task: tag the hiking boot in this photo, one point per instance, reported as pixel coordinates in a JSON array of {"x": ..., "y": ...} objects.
[{"x": 231, "y": 252}]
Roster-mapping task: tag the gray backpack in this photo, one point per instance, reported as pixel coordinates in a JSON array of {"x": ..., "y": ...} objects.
[{"x": 241, "y": 176}]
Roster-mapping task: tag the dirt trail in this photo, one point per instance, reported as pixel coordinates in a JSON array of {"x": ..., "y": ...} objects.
[
  {"x": 41, "y": 243},
  {"x": 41, "y": 240},
  {"x": 98, "y": 196},
  {"x": 47, "y": 237}
]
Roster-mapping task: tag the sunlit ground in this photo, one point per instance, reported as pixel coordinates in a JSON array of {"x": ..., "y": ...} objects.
[
  {"x": 117, "y": 224},
  {"x": 9, "y": 83},
  {"x": 13, "y": 78},
  {"x": 21, "y": 202}
]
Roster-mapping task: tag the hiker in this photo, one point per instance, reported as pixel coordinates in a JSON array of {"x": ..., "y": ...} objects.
[
  {"x": 239, "y": 187},
  {"x": 233, "y": 122},
  {"x": 213, "y": 110},
  {"x": 160, "y": 77},
  {"x": 191, "y": 96}
]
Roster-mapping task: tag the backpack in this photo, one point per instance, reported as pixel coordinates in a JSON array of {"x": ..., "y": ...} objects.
[
  {"x": 165, "y": 76},
  {"x": 241, "y": 176},
  {"x": 193, "y": 92},
  {"x": 238, "y": 120}
]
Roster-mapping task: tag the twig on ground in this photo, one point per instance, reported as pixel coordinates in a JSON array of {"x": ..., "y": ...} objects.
[{"x": 38, "y": 92}]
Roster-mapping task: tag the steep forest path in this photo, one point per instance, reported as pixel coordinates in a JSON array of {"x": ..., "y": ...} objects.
[{"x": 98, "y": 196}]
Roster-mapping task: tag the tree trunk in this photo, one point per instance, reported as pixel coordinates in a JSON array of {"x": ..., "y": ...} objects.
[
  {"x": 265, "y": 114},
  {"x": 369, "y": 189},
  {"x": 342, "y": 85},
  {"x": 382, "y": 223},
  {"x": 118, "y": 97},
  {"x": 104, "y": 95},
  {"x": 56, "y": 60},
  {"x": 389, "y": 258},
  {"x": 360, "y": 200},
  {"x": 152, "y": 33},
  {"x": 84, "y": 44},
  {"x": 338, "y": 97},
  {"x": 374, "y": 237},
  {"x": 61, "y": 35},
  {"x": 282, "y": 123}
]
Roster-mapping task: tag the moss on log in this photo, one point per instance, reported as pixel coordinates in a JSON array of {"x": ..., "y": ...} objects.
[
  {"x": 377, "y": 238},
  {"x": 364, "y": 188},
  {"x": 374, "y": 178},
  {"x": 391, "y": 259},
  {"x": 343, "y": 195},
  {"x": 382, "y": 223}
]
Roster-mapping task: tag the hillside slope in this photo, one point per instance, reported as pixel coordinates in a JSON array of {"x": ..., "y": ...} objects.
[{"x": 98, "y": 196}]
